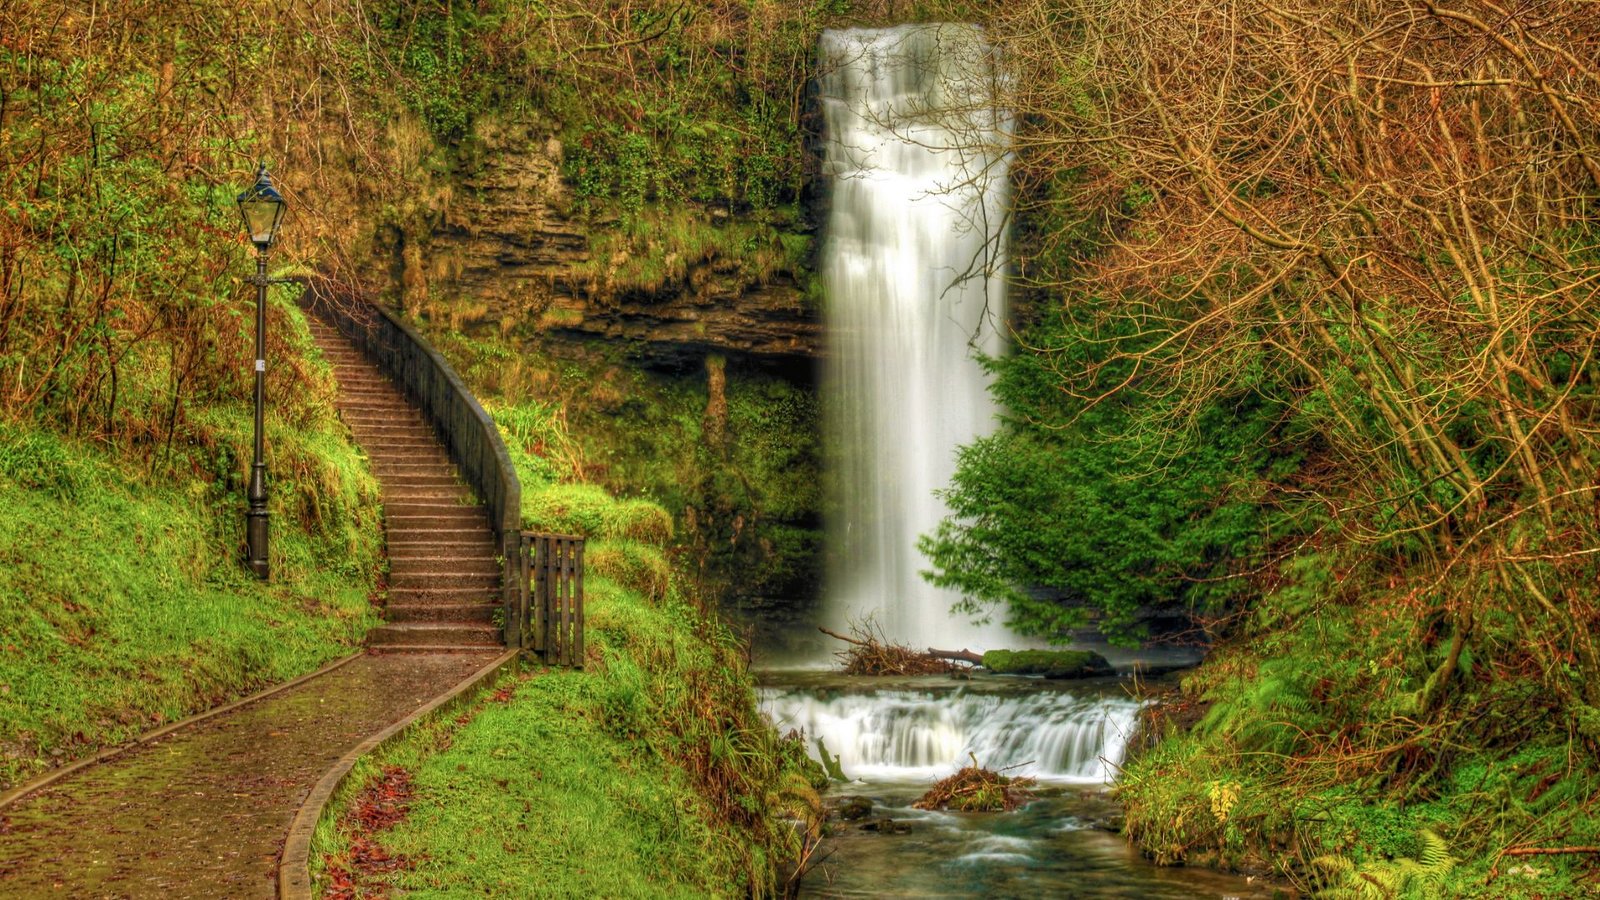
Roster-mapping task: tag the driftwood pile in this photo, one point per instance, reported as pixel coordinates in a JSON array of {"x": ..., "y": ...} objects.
[
  {"x": 976, "y": 789},
  {"x": 870, "y": 653}
]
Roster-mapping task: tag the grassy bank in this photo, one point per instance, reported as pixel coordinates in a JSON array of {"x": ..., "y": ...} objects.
[
  {"x": 123, "y": 602},
  {"x": 648, "y": 773},
  {"x": 1308, "y": 756}
]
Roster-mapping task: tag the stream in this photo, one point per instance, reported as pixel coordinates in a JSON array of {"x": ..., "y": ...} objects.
[{"x": 893, "y": 737}]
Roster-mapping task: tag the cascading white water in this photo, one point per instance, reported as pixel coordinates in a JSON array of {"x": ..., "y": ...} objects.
[
  {"x": 912, "y": 269},
  {"x": 909, "y": 735}
]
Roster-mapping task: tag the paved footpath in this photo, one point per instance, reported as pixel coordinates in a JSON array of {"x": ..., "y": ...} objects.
[{"x": 203, "y": 811}]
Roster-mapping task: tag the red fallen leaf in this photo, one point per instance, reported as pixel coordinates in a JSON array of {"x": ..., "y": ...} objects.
[
  {"x": 341, "y": 885},
  {"x": 379, "y": 806}
]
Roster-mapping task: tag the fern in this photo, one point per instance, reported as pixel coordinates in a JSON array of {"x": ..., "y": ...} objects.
[{"x": 1402, "y": 878}]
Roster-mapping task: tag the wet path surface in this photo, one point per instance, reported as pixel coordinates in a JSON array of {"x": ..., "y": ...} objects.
[{"x": 203, "y": 812}]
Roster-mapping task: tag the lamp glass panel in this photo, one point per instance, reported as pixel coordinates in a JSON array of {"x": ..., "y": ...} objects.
[{"x": 261, "y": 218}]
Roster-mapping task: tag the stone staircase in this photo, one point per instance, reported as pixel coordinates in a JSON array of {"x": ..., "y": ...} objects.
[{"x": 444, "y": 569}]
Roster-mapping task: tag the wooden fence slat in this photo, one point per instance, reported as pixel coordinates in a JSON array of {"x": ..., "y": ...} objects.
[
  {"x": 577, "y": 611},
  {"x": 563, "y": 592}
]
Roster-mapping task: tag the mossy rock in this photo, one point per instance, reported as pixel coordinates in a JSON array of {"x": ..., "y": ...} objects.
[
  {"x": 1049, "y": 663},
  {"x": 591, "y": 512}
]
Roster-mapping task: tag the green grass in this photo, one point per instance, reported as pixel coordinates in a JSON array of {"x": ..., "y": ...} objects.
[
  {"x": 657, "y": 248},
  {"x": 123, "y": 602},
  {"x": 648, "y": 774}
]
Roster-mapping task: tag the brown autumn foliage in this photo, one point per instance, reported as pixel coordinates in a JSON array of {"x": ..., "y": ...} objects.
[
  {"x": 1386, "y": 210},
  {"x": 125, "y": 131}
]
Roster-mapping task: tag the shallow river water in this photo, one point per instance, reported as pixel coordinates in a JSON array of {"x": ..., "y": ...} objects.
[{"x": 895, "y": 737}]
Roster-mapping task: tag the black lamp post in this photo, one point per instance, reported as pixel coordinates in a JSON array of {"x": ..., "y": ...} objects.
[{"x": 261, "y": 207}]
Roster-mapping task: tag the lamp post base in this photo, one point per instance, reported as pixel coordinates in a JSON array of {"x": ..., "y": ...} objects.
[
  {"x": 256, "y": 535},
  {"x": 256, "y": 520}
]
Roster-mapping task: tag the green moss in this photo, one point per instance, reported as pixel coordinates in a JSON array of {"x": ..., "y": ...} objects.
[
  {"x": 1049, "y": 663},
  {"x": 588, "y": 511},
  {"x": 638, "y": 567},
  {"x": 746, "y": 509}
]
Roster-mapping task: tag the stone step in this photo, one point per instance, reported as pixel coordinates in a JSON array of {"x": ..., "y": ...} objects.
[
  {"x": 484, "y": 563},
  {"x": 402, "y": 465},
  {"x": 355, "y": 379},
  {"x": 400, "y": 556},
  {"x": 467, "y": 517},
  {"x": 416, "y": 470},
  {"x": 386, "y": 457},
  {"x": 385, "y": 442},
  {"x": 381, "y": 430},
  {"x": 453, "y": 493},
  {"x": 446, "y": 581},
  {"x": 380, "y": 435},
  {"x": 425, "y": 450},
  {"x": 433, "y": 634},
  {"x": 443, "y": 594},
  {"x": 409, "y": 449},
  {"x": 388, "y": 410},
  {"x": 399, "y": 418},
  {"x": 402, "y": 649},
  {"x": 368, "y": 397},
  {"x": 469, "y": 613},
  {"x": 403, "y": 482},
  {"x": 411, "y": 543},
  {"x": 379, "y": 404},
  {"x": 445, "y": 507}
]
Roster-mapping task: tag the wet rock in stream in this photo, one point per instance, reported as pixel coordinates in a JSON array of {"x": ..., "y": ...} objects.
[
  {"x": 887, "y": 826},
  {"x": 853, "y": 808}
]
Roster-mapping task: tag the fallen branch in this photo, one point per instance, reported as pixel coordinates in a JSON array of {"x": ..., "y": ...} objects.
[
  {"x": 871, "y": 654},
  {"x": 962, "y": 655}
]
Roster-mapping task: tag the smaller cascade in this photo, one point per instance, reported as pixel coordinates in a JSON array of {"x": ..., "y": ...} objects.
[{"x": 918, "y": 735}]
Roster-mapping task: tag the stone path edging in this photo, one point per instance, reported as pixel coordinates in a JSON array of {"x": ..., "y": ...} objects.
[
  {"x": 294, "y": 872},
  {"x": 51, "y": 777}
]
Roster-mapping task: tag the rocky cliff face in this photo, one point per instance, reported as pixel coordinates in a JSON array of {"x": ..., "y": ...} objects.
[{"x": 508, "y": 247}]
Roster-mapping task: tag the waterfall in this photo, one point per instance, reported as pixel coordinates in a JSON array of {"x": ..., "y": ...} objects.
[
  {"x": 913, "y": 274},
  {"x": 898, "y": 735}
]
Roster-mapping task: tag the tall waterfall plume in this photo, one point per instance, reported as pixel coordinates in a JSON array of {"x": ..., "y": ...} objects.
[{"x": 913, "y": 273}]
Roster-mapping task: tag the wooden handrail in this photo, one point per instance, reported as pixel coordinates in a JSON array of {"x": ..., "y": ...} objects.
[{"x": 469, "y": 434}]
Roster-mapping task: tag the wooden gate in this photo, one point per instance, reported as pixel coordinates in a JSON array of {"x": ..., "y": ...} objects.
[{"x": 552, "y": 597}]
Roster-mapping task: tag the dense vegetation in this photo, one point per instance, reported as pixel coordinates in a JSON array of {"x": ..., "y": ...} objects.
[
  {"x": 731, "y": 452},
  {"x": 1310, "y": 336},
  {"x": 124, "y": 330}
]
